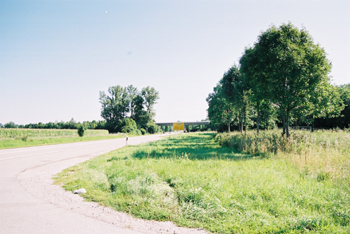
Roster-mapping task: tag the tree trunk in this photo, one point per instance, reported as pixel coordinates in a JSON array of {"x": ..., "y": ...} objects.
[
  {"x": 245, "y": 120},
  {"x": 240, "y": 122},
  {"x": 228, "y": 127},
  {"x": 287, "y": 124},
  {"x": 284, "y": 125},
  {"x": 258, "y": 118}
]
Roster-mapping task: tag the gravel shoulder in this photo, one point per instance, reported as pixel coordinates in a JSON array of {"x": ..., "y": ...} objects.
[{"x": 38, "y": 182}]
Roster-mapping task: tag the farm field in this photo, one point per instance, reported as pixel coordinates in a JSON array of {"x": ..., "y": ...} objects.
[
  {"x": 14, "y": 138},
  {"x": 196, "y": 180}
]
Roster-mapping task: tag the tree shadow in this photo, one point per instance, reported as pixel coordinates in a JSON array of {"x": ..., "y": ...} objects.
[{"x": 200, "y": 147}]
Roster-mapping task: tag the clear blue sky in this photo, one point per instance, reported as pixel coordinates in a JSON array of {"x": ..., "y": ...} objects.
[{"x": 55, "y": 56}]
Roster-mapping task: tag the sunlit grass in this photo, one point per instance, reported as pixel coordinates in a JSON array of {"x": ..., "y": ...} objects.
[
  {"x": 324, "y": 154},
  {"x": 27, "y": 142},
  {"x": 194, "y": 182},
  {"x": 13, "y": 133}
]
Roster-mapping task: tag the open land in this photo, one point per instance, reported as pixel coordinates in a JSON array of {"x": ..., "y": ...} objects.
[
  {"x": 16, "y": 138},
  {"x": 198, "y": 181}
]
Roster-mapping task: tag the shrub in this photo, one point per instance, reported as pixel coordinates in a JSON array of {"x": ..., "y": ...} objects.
[
  {"x": 129, "y": 126},
  {"x": 152, "y": 128},
  {"x": 143, "y": 131},
  {"x": 81, "y": 130}
]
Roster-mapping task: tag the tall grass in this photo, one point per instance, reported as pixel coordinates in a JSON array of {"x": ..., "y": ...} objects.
[
  {"x": 194, "y": 182},
  {"x": 324, "y": 154}
]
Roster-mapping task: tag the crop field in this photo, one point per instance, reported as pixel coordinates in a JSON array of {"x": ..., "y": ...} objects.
[
  {"x": 196, "y": 180},
  {"x": 14, "y": 138},
  {"x": 12, "y": 133}
]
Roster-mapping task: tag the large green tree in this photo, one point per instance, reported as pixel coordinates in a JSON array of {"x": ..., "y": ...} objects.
[
  {"x": 254, "y": 80},
  {"x": 140, "y": 115},
  {"x": 121, "y": 102},
  {"x": 234, "y": 89},
  {"x": 115, "y": 106},
  {"x": 289, "y": 68}
]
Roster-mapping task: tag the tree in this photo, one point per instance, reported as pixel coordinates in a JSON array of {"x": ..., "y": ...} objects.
[
  {"x": 115, "y": 106},
  {"x": 294, "y": 68},
  {"x": 333, "y": 121},
  {"x": 140, "y": 116},
  {"x": 132, "y": 93},
  {"x": 119, "y": 102},
  {"x": 254, "y": 79},
  {"x": 10, "y": 125},
  {"x": 234, "y": 89},
  {"x": 221, "y": 111},
  {"x": 150, "y": 96}
]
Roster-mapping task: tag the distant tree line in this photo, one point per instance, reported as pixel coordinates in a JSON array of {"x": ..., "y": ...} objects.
[
  {"x": 282, "y": 80},
  {"x": 72, "y": 124}
]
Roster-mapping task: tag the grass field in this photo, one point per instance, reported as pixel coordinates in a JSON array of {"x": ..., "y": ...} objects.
[
  {"x": 323, "y": 154},
  {"x": 194, "y": 182},
  {"x": 13, "y": 133},
  {"x": 15, "y": 138}
]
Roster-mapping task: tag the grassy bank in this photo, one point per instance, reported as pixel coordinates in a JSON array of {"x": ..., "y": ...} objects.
[{"x": 194, "y": 182}]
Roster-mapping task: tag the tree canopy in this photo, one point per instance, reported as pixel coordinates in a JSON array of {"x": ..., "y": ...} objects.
[
  {"x": 285, "y": 71},
  {"x": 122, "y": 102}
]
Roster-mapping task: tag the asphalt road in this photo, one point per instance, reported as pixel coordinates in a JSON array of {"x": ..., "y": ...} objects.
[{"x": 23, "y": 212}]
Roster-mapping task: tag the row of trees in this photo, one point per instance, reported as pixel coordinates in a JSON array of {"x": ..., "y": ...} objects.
[
  {"x": 125, "y": 109},
  {"x": 284, "y": 78},
  {"x": 72, "y": 124}
]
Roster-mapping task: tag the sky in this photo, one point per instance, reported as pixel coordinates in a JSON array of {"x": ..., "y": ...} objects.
[{"x": 56, "y": 56}]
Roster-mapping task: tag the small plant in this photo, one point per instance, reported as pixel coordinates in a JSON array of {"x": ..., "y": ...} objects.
[{"x": 81, "y": 131}]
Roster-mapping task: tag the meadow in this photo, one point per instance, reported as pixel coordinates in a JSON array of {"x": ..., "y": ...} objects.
[
  {"x": 322, "y": 154},
  {"x": 16, "y": 137},
  {"x": 200, "y": 180}
]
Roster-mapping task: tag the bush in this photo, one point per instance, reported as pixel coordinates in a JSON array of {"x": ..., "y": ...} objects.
[
  {"x": 152, "y": 128},
  {"x": 81, "y": 130},
  {"x": 129, "y": 126},
  {"x": 143, "y": 131}
]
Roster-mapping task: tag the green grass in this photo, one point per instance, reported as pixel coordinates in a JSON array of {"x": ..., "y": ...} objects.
[
  {"x": 194, "y": 182},
  {"x": 13, "y": 133},
  {"x": 323, "y": 153},
  {"x": 27, "y": 142}
]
